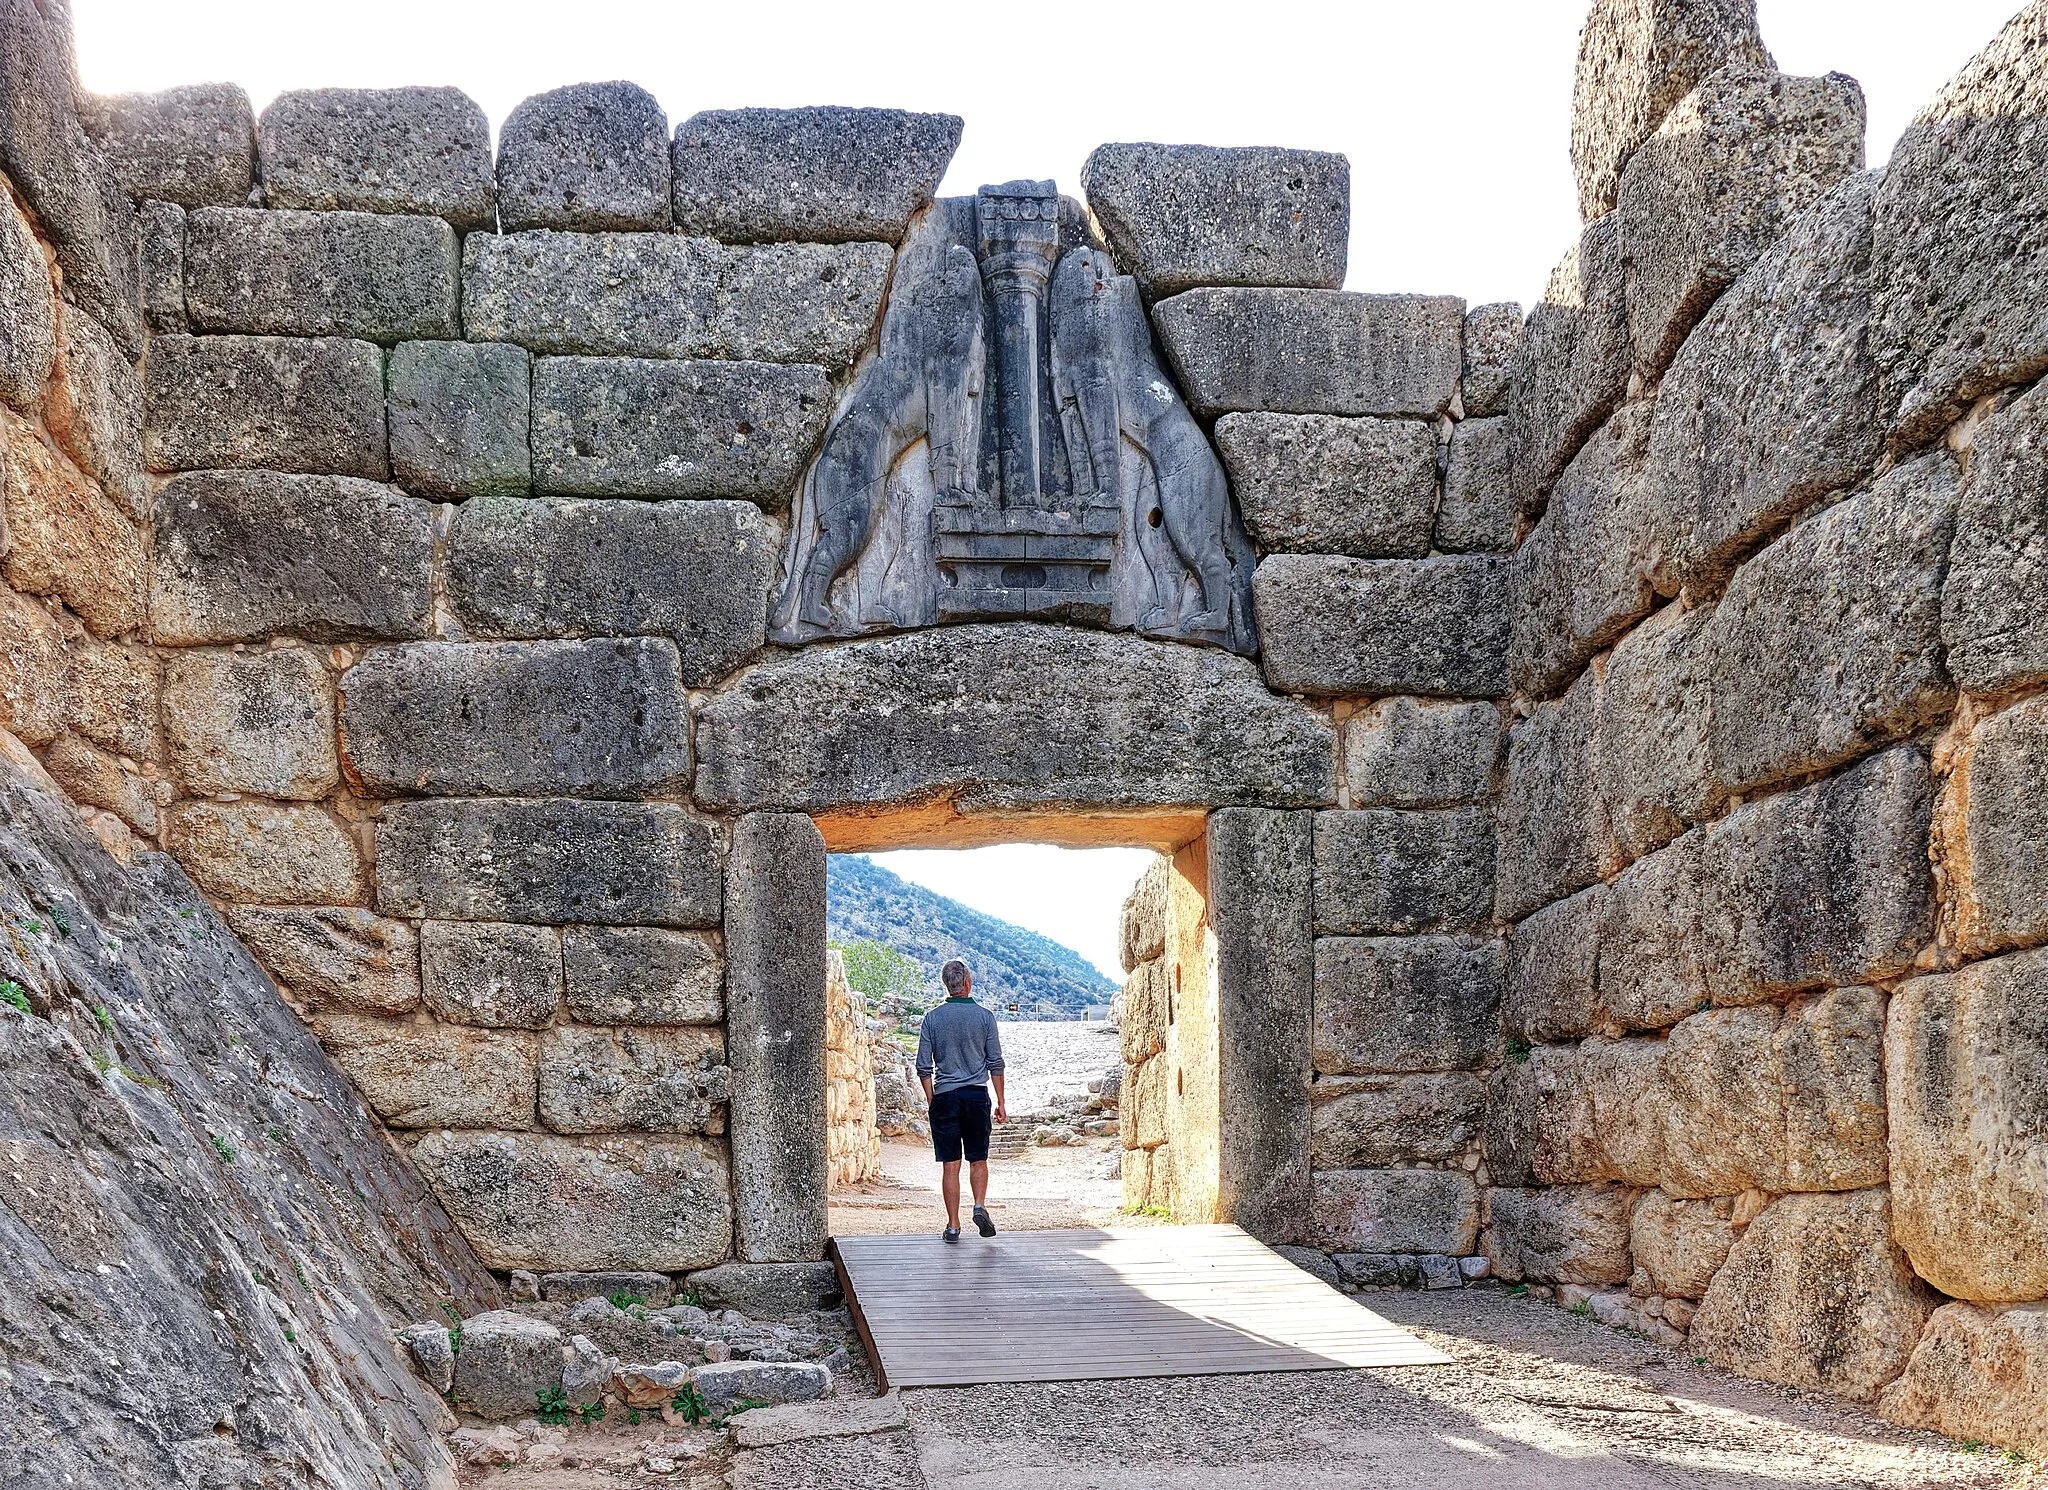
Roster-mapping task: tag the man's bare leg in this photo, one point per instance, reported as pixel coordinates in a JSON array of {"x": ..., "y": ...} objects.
[
  {"x": 977, "y": 1176},
  {"x": 949, "y": 1187},
  {"x": 983, "y": 1221}
]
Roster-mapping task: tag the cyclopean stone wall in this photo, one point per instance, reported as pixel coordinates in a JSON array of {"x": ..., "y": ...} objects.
[{"x": 853, "y": 1146}]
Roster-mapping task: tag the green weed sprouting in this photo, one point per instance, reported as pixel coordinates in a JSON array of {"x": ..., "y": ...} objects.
[
  {"x": 554, "y": 1406},
  {"x": 106, "y": 1020},
  {"x": 291, "y": 1335},
  {"x": 1517, "y": 1290},
  {"x": 454, "y": 1328},
  {"x": 688, "y": 1404},
  {"x": 15, "y": 994},
  {"x": 274, "y": 1133},
  {"x": 1582, "y": 1307},
  {"x": 591, "y": 1412},
  {"x": 1518, "y": 1051},
  {"x": 223, "y": 1148},
  {"x": 622, "y": 1300},
  {"x": 1159, "y": 1212},
  {"x": 688, "y": 1296},
  {"x": 101, "y": 1064},
  {"x": 300, "y": 1274},
  {"x": 61, "y": 922}
]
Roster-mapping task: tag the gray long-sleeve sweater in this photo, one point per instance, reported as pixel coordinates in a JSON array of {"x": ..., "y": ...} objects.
[{"x": 958, "y": 1040}]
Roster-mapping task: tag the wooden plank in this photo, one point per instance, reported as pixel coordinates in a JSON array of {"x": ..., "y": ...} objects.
[{"x": 1092, "y": 1304}]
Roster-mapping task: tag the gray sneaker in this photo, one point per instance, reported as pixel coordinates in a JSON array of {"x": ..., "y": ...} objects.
[
  {"x": 950, "y": 1234},
  {"x": 983, "y": 1223}
]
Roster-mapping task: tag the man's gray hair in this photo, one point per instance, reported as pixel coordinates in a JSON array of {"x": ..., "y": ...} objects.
[{"x": 954, "y": 976}]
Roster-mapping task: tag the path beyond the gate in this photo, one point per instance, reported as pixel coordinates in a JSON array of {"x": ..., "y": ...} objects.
[{"x": 1093, "y": 1304}]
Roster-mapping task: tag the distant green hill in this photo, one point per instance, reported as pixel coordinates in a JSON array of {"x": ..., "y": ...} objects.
[{"x": 1011, "y": 965}]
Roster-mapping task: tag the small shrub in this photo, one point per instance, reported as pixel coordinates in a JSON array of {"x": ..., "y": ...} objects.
[
  {"x": 223, "y": 1148},
  {"x": 15, "y": 994},
  {"x": 633, "y": 1417},
  {"x": 624, "y": 1300},
  {"x": 106, "y": 1020},
  {"x": 554, "y": 1406}
]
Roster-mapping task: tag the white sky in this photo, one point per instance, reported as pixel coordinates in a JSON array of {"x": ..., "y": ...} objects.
[{"x": 1455, "y": 117}]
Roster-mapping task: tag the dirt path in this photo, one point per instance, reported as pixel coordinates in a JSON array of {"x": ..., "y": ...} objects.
[{"x": 1040, "y": 1189}]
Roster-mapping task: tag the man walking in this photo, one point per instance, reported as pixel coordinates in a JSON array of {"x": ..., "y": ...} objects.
[{"x": 958, "y": 1054}]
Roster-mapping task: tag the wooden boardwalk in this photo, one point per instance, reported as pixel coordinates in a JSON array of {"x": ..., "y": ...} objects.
[{"x": 1087, "y": 1305}]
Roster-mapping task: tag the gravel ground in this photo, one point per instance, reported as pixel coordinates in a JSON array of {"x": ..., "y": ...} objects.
[{"x": 1040, "y": 1189}]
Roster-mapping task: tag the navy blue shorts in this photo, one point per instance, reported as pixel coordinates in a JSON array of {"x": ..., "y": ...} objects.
[{"x": 961, "y": 1120}]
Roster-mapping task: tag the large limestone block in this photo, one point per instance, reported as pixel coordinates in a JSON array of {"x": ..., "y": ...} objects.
[
  {"x": 775, "y": 1018},
  {"x": 1405, "y": 752},
  {"x": 160, "y": 264},
  {"x": 1829, "y": 641},
  {"x": 507, "y": 1361},
  {"x": 275, "y": 403},
  {"x": 1142, "y": 1028},
  {"x": 769, "y": 1290},
  {"x": 459, "y": 415},
  {"x": 94, "y": 779},
  {"x": 1772, "y": 402},
  {"x": 818, "y": 175},
  {"x": 652, "y": 1081},
  {"x": 258, "y": 722},
  {"x": 1814, "y": 1295},
  {"x": 554, "y": 861},
  {"x": 403, "y": 150},
  {"x": 632, "y": 427},
  {"x": 1966, "y": 1058},
  {"x": 1733, "y": 165},
  {"x": 1678, "y": 1245},
  {"x": 492, "y": 975},
  {"x": 592, "y": 157},
  {"x": 28, "y": 320},
  {"x": 1332, "y": 626},
  {"x": 434, "y": 1075},
  {"x": 1009, "y": 717},
  {"x": 1563, "y": 1234},
  {"x": 1653, "y": 938},
  {"x": 642, "y": 975},
  {"x": 94, "y": 411},
  {"x": 1994, "y": 840},
  {"x": 334, "y": 956},
  {"x": 600, "y": 718},
  {"x": 695, "y": 572},
  {"x": 1478, "y": 510},
  {"x": 64, "y": 537},
  {"x": 241, "y": 555},
  {"x": 1317, "y": 484},
  {"x": 1179, "y": 216},
  {"x": 1572, "y": 362},
  {"x": 195, "y": 146},
  {"x": 1261, "y": 889},
  {"x": 1653, "y": 749},
  {"x": 1554, "y": 833},
  {"x": 660, "y": 295},
  {"x": 268, "y": 854},
  {"x": 1829, "y": 1053},
  {"x": 1637, "y": 60},
  {"x": 1395, "y": 1210},
  {"x": 1978, "y": 1374},
  {"x": 1394, "y": 873},
  {"x": 33, "y": 687},
  {"x": 365, "y": 274},
  {"x": 1359, "y": 1122},
  {"x": 1314, "y": 351},
  {"x": 1423, "y": 1003},
  {"x": 1147, "y": 917},
  {"x": 114, "y": 698},
  {"x": 584, "y": 1205},
  {"x": 1994, "y": 601},
  {"x": 1491, "y": 333},
  {"x": 1550, "y": 990},
  {"x": 1581, "y": 577},
  {"x": 1956, "y": 312}
]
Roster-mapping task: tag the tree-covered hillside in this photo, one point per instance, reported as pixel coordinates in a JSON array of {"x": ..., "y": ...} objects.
[{"x": 1011, "y": 965}]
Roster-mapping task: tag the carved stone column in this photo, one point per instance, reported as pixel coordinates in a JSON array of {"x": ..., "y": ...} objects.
[{"x": 1020, "y": 239}]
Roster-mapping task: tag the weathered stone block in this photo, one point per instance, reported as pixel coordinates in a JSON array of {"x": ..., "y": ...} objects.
[
  {"x": 601, "y": 863},
  {"x": 540, "y": 719},
  {"x": 195, "y": 146},
  {"x": 1655, "y": 938},
  {"x": 33, "y": 687},
  {"x": 242, "y": 555},
  {"x": 1314, "y": 351},
  {"x": 593, "y": 157},
  {"x": 365, "y": 274},
  {"x": 1996, "y": 849},
  {"x": 1678, "y": 1245},
  {"x": 1363, "y": 1121},
  {"x": 1564, "y": 1234},
  {"x": 654, "y": 1081},
  {"x": 1772, "y": 402},
  {"x": 1636, "y": 61},
  {"x": 28, "y": 313},
  {"x": 695, "y": 572},
  {"x": 459, "y": 414},
  {"x": 404, "y": 150},
  {"x": 1478, "y": 510},
  {"x": 1312, "y": 483},
  {"x": 725, "y": 1385},
  {"x": 279, "y": 403},
  {"x": 768, "y": 1290},
  {"x": 660, "y": 295},
  {"x": 1829, "y": 641},
  {"x": 432, "y": 1075},
  {"x": 1551, "y": 989},
  {"x": 1968, "y": 1087},
  {"x": 1339, "y": 626},
  {"x": 1955, "y": 313},
  {"x": 1179, "y": 216},
  {"x": 113, "y": 698},
  {"x": 1654, "y": 759},
  {"x": 272, "y": 855},
  {"x": 506, "y": 1362},
  {"x": 1572, "y": 362},
  {"x": 641, "y": 975},
  {"x": 92, "y": 778},
  {"x": 1063, "y": 716},
  {"x": 1142, "y": 1029},
  {"x": 1733, "y": 165},
  {"x": 1404, "y": 752},
  {"x": 484, "y": 973},
  {"x": 65, "y": 538},
  {"x": 1814, "y": 1295},
  {"x": 1554, "y": 834},
  {"x": 160, "y": 263},
  {"x": 619, "y": 427},
  {"x": 1424, "y": 1003},
  {"x": 334, "y": 956},
  {"x": 1994, "y": 601},
  {"x": 1381, "y": 873},
  {"x": 94, "y": 411},
  {"x": 652, "y": 1289},
  {"x": 775, "y": 1014},
  {"x": 1147, "y": 918},
  {"x": 1978, "y": 1374},
  {"x": 820, "y": 175},
  {"x": 1395, "y": 1210},
  {"x": 258, "y": 722},
  {"x": 1491, "y": 334}
]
